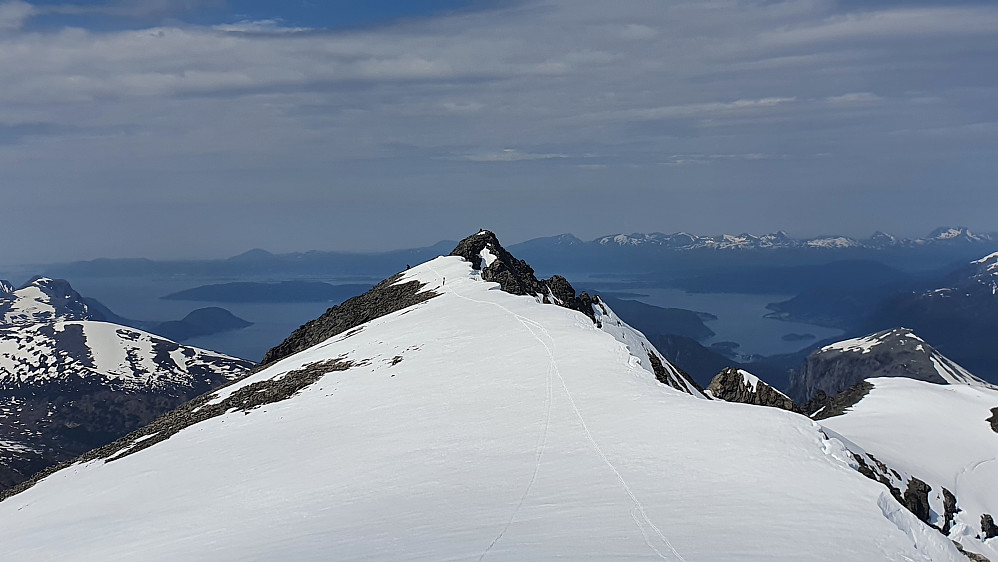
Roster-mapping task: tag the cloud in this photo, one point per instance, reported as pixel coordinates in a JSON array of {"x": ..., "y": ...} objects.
[
  {"x": 510, "y": 155},
  {"x": 854, "y": 98},
  {"x": 389, "y": 117},
  {"x": 259, "y": 26},
  {"x": 890, "y": 24},
  {"x": 14, "y": 13}
]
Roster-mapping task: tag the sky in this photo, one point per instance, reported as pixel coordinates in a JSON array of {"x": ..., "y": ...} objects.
[{"x": 204, "y": 128}]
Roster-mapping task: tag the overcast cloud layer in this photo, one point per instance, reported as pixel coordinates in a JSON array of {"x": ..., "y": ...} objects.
[{"x": 538, "y": 118}]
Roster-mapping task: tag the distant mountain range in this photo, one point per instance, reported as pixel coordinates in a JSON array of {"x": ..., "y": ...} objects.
[
  {"x": 561, "y": 251},
  {"x": 682, "y": 241}
]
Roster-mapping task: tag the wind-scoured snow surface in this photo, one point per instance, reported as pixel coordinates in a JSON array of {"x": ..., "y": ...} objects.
[
  {"x": 477, "y": 425},
  {"x": 939, "y": 434}
]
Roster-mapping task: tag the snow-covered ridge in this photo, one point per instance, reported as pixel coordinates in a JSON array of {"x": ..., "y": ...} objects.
[{"x": 477, "y": 424}]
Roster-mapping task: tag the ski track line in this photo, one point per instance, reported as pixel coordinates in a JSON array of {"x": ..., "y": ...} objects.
[
  {"x": 589, "y": 436},
  {"x": 539, "y": 448}
]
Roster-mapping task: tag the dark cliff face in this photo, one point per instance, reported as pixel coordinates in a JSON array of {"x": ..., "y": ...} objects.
[
  {"x": 516, "y": 277},
  {"x": 733, "y": 385},
  {"x": 891, "y": 353}
]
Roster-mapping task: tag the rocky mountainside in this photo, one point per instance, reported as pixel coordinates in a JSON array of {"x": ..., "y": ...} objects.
[
  {"x": 482, "y": 421},
  {"x": 890, "y": 353},
  {"x": 739, "y": 385},
  {"x": 70, "y": 382}
]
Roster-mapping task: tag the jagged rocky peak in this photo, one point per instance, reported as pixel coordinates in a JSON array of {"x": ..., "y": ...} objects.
[
  {"x": 6, "y": 289},
  {"x": 516, "y": 277},
  {"x": 891, "y": 353},
  {"x": 738, "y": 385}
]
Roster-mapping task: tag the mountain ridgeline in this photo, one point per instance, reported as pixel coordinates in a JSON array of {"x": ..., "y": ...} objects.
[
  {"x": 466, "y": 408},
  {"x": 71, "y": 381}
]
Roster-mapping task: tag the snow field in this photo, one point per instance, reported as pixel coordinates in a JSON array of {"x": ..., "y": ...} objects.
[{"x": 510, "y": 430}]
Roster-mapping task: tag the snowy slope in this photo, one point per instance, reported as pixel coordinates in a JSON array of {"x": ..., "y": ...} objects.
[
  {"x": 940, "y": 435},
  {"x": 474, "y": 425},
  {"x": 105, "y": 353}
]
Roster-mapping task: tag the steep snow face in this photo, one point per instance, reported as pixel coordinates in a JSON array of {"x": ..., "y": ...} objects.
[
  {"x": 940, "y": 435},
  {"x": 474, "y": 425}
]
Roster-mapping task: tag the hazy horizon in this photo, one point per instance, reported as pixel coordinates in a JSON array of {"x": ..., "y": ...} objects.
[{"x": 204, "y": 128}]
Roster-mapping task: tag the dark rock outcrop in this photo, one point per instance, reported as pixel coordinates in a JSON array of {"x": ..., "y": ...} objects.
[
  {"x": 821, "y": 406},
  {"x": 916, "y": 498},
  {"x": 735, "y": 385},
  {"x": 994, "y": 419},
  {"x": 385, "y": 298},
  {"x": 890, "y": 353},
  {"x": 663, "y": 375},
  {"x": 950, "y": 509},
  {"x": 988, "y": 527},
  {"x": 516, "y": 277}
]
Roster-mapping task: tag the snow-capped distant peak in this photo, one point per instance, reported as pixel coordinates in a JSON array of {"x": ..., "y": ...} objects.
[
  {"x": 43, "y": 300},
  {"x": 832, "y": 242}
]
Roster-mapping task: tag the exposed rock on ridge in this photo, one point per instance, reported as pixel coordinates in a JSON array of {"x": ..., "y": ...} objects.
[
  {"x": 516, "y": 276},
  {"x": 385, "y": 298},
  {"x": 821, "y": 406},
  {"x": 736, "y": 385}
]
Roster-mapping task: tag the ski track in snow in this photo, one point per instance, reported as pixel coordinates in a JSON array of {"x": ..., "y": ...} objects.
[{"x": 553, "y": 366}]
